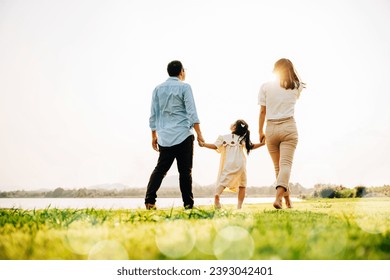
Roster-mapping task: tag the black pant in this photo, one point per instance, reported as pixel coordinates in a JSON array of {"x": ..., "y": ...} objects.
[{"x": 183, "y": 153}]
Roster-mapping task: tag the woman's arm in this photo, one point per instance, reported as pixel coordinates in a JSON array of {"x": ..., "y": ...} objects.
[{"x": 263, "y": 112}]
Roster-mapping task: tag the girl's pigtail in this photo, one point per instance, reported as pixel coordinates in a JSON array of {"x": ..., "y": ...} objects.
[{"x": 248, "y": 143}]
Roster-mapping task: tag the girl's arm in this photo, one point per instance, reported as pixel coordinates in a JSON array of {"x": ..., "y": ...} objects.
[
  {"x": 257, "y": 145},
  {"x": 207, "y": 145}
]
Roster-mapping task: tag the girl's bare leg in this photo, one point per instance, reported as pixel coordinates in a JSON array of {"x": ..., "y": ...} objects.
[
  {"x": 279, "y": 196},
  {"x": 218, "y": 192},
  {"x": 241, "y": 197}
]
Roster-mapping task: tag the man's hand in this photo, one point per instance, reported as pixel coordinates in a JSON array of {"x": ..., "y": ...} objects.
[
  {"x": 200, "y": 140},
  {"x": 199, "y": 134},
  {"x": 154, "y": 144},
  {"x": 154, "y": 140}
]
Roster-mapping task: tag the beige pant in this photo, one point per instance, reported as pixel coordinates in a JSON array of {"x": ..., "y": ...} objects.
[{"x": 282, "y": 139}]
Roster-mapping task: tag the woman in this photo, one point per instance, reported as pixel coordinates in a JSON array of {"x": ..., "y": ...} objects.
[{"x": 277, "y": 99}]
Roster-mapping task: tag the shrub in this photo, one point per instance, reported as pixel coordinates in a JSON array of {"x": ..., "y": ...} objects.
[
  {"x": 345, "y": 193},
  {"x": 324, "y": 192},
  {"x": 333, "y": 191},
  {"x": 361, "y": 191}
]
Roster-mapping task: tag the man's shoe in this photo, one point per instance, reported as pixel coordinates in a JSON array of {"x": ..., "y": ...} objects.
[{"x": 150, "y": 206}]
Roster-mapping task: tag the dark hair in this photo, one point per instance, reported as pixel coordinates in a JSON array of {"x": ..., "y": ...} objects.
[
  {"x": 241, "y": 129},
  {"x": 174, "y": 68},
  {"x": 288, "y": 76}
]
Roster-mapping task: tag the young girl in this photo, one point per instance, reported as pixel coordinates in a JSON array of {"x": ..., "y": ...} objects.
[{"x": 232, "y": 169}]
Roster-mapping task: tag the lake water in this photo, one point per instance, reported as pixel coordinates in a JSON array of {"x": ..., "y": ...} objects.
[{"x": 116, "y": 203}]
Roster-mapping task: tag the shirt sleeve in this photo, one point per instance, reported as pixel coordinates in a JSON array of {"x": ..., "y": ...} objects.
[
  {"x": 153, "y": 112},
  {"x": 190, "y": 105},
  {"x": 262, "y": 96},
  {"x": 218, "y": 143}
]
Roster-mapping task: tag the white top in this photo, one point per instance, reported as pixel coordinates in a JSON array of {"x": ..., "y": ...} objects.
[
  {"x": 280, "y": 102},
  {"x": 232, "y": 168}
]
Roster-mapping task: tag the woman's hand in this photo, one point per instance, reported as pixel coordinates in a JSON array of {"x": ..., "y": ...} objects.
[{"x": 262, "y": 138}]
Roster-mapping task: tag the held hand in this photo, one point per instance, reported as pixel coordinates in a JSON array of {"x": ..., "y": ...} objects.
[
  {"x": 200, "y": 140},
  {"x": 201, "y": 143},
  {"x": 262, "y": 138}
]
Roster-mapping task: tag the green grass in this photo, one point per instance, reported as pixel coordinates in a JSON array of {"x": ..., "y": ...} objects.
[{"x": 316, "y": 229}]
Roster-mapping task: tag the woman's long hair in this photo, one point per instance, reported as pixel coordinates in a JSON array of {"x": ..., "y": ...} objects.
[
  {"x": 288, "y": 76},
  {"x": 241, "y": 129}
]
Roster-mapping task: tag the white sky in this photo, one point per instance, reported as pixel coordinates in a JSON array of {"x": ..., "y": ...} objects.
[{"x": 76, "y": 79}]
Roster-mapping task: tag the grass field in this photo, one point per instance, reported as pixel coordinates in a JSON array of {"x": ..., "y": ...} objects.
[{"x": 349, "y": 229}]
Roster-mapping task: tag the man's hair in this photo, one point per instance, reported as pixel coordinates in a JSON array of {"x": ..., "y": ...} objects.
[{"x": 174, "y": 68}]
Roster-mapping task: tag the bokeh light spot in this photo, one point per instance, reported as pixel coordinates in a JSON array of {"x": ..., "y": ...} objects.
[
  {"x": 108, "y": 250},
  {"x": 81, "y": 237},
  {"x": 233, "y": 243},
  {"x": 175, "y": 239}
]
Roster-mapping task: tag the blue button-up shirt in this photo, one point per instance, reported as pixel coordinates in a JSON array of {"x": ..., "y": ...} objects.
[{"x": 173, "y": 112}]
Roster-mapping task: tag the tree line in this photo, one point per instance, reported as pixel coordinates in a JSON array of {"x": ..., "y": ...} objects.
[
  {"x": 199, "y": 191},
  {"x": 319, "y": 190}
]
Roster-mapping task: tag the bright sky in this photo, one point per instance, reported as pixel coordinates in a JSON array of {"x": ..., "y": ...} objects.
[{"x": 76, "y": 79}]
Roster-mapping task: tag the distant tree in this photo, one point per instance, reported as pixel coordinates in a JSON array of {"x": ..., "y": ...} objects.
[
  {"x": 81, "y": 192},
  {"x": 58, "y": 192}
]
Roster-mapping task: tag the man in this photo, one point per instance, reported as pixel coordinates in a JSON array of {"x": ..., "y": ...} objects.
[{"x": 172, "y": 120}]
